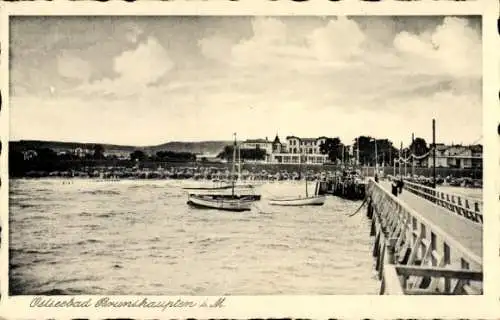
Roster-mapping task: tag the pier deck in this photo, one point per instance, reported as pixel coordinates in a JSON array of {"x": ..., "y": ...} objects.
[
  {"x": 426, "y": 242},
  {"x": 468, "y": 233}
]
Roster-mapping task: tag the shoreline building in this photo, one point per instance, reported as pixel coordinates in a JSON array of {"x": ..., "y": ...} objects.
[
  {"x": 294, "y": 151},
  {"x": 455, "y": 156}
]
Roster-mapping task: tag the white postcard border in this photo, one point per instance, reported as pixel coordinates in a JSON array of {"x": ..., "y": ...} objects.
[{"x": 485, "y": 306}]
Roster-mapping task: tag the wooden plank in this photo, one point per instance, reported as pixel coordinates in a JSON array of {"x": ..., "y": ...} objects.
[
  {"x": 426, "y": 292},
  {"x": 470, "y": 290},
  {"x": 391, "y": 282},
  {"x": 439, "y": 272},
  {"x": 462, "y": 234}
]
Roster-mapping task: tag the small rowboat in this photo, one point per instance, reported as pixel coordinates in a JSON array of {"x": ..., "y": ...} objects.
[
  {"x": 300, "y": 201},
  {"x": 228, "y": 203}
]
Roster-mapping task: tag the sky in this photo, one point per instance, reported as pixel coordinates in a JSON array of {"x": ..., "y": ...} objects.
[{"x": 149, "y": 80}]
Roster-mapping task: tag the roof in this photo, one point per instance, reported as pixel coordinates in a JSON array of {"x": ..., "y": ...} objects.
[
  {"x": 477, "y": 148},
  {"x": 256, "y": 141},
  {"x": 305, "y": 139},
  {"x": 308, "y": 139},
  {"x": 277, "y": 139},
  {"x": 440, "y": 146}
]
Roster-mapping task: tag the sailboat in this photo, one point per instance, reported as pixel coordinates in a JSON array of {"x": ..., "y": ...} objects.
[
  {"x": 213, "y": 198},
  {"x": 313, "y": 200},
  {"x": 238, "y": 187}
]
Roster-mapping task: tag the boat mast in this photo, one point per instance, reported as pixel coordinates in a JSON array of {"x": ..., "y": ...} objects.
[
  {"x": 234, "y": 163},
  {"x": 239, "y": 163},
  {"x": 305, "y": 176}
]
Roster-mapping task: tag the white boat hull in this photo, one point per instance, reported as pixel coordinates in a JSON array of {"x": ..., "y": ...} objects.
[
  {"x": 297, "y": 202},
  {"x": 220, "y": 204}
]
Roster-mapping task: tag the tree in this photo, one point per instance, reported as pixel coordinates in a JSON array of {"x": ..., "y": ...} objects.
[
  {"x": 333, "y": 148},
  {"x": 251, "y": 154},
  {"x": 385, "y": 150},
  {"x": 174, "y": 156},
  {"x": 226, "y": 153},
  {"x": 98, "y": 152},
  {"x": 137, "y": 155},
  {"x": 419, "y": 146},
  {"x": 366, "y": 149},
  {"x": 46, "y": 154},
  {"x": 17, "y": 165}
]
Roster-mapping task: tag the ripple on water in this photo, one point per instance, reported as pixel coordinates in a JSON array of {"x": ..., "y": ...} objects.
[{"x": 142, "y": 238}]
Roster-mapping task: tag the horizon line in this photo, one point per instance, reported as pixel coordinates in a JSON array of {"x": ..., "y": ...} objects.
[{"x": 474, "y": 142}]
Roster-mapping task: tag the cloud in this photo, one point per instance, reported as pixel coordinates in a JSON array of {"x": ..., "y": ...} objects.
[
  {"x": 69, "y": 65},
  {"x": 303, "y": 76},
  {"x": 215, "y": 47},
  {"x": 267, "y": 46},
  {"x": 452, "y": 48},
  {"x": 273, "y": 45},
  {"x": 136, "y": 69},
  {"x": 340, "y": 39},
  {"x": 324, "y": 68},
  {"x": 145, "y": 64},
  {"x": 133, "y": 32}
]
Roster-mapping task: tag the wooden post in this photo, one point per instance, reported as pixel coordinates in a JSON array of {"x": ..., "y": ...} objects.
[
  {"x": 372, "y": 228},
  {"x": 412, "y": 155},
  {"x": 405, "y": 163},
  {"x": 357, "y": 152},
  {"x": 434, "y": 153},
  {"x": 370, "y": 208},
  {"x": 381, "y": 257},
  {"x": 400, "y": 150},
  {"x": 391, "y": 249},
  {"x": 376, "y": 252},
  {"x": 447, "y": 261}
]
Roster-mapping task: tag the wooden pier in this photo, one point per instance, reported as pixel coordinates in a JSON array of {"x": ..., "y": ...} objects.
[
  {"x": 426, "y": 242},
  {"x": 347, "y": 187}
]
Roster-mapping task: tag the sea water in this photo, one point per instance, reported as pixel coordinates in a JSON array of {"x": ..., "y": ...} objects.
[{"x": 137, "y": 237}]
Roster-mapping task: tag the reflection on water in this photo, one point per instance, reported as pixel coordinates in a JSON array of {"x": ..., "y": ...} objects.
[{"x": 140, "y": 237}]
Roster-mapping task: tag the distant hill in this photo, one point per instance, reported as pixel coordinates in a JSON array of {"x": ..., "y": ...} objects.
[{"x": 202, "y": 147}]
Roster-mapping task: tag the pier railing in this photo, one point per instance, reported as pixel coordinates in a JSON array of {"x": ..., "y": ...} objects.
[
  {"x": 414, "y": 256},
  {"x": 471, "y": 209}
]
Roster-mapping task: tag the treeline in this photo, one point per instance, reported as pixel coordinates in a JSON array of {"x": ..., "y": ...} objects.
[
  {"x": 163, "y": 156},
  {"x": 369, "y": 150},
  {"x": 46, "y": 159},
  {"x": 245, "y": 154}
]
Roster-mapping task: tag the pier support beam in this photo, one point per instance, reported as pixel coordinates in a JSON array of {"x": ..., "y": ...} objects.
[{"x": 412, "y": 256}]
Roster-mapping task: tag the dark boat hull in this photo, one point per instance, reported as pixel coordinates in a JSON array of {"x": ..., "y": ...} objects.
[
  {"x": 198, "y": 206},
  {"x": 220, "y": 202},
  {"x": 249, "y": 197}
]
